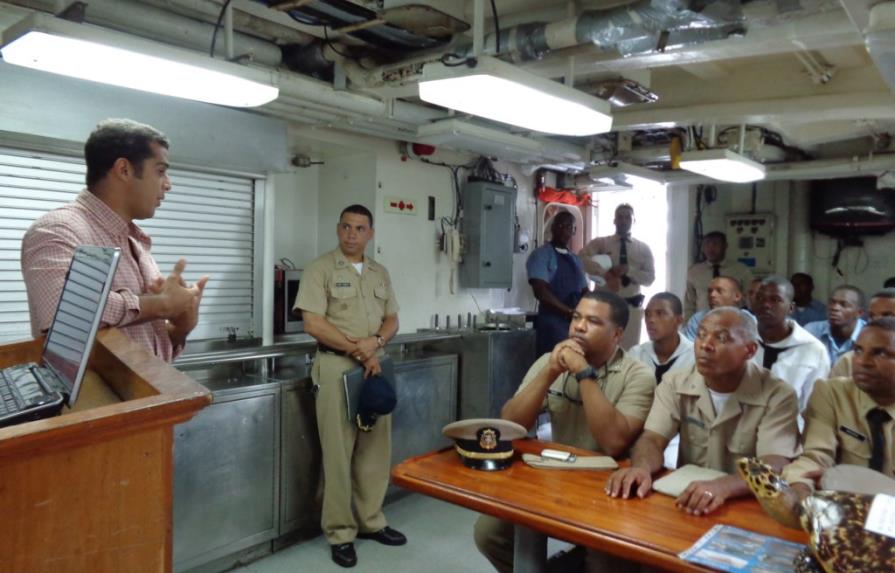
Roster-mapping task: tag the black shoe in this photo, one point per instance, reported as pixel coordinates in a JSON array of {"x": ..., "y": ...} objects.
[
  {"x": 385, "y": 536},
  {"x": 344, "y": 555}
]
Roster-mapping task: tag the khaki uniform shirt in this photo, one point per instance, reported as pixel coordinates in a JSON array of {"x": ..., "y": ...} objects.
[
  {"x": 355, "y": 303},
  {"x": 843, "y": 366},
  {"x": 837, "y": 432},
  {"x": 641, "y": 268},
  {"x": 625, "y": 382},
  {"x": 759, "y": 419},
  {"x": 701, "y": 274}
]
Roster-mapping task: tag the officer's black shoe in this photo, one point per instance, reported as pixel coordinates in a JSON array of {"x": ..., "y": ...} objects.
[
  {"x": 344, "y": 555},
  {"x": 385, "y": 536}
]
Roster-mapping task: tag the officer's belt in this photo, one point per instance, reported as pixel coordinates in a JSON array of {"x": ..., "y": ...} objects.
[{"x": 330, "y": 350}]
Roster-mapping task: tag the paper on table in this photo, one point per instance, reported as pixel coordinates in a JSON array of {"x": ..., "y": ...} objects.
[
  {"x": 881, "y": 517},
  {"x": 677, "y": 481}
]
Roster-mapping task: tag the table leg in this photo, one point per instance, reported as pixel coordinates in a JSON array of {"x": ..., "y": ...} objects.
[{"x": 529, "y": 551}]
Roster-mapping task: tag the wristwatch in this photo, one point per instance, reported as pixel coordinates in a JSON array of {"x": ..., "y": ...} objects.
[
  {"x": 380, "y": 341},
  {"x": 589, "y": 372}
]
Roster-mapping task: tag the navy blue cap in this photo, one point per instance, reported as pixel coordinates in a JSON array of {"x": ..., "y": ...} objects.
[{"x": 377, "y": 398}]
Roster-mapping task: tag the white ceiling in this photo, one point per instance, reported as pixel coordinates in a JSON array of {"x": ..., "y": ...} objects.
[{"x": 771, "y": 76}]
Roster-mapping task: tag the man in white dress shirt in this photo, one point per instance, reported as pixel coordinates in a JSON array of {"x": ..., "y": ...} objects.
[{"x": 632, "y": 268}]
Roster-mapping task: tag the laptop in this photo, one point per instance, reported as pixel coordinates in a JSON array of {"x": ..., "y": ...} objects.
[{"x": 36, "y": 391}]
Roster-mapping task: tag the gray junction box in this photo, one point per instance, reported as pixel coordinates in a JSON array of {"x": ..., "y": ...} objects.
[{"x": 489, "y": 214}]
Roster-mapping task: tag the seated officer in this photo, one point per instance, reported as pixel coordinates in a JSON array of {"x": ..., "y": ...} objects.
[
  {"x": 596, "y": 395},
  {"x": 725, "y": 409},
  {"x": 882, "y": 304},
  {"x": 849, "y": 420}
]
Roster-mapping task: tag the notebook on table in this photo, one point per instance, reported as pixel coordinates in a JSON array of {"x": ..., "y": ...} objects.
[{"x": 33, "y": 391}]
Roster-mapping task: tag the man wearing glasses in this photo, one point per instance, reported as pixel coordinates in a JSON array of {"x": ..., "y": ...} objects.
[
  {"x": 596, "y": 395},
  {"x": 557, "y": 279}
]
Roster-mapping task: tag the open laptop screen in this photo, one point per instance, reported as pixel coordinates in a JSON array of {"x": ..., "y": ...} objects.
[{"x": 70, "y": 339}]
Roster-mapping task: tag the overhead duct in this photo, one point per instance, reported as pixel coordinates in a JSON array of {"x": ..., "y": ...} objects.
[{"x": 640, "y": 27}]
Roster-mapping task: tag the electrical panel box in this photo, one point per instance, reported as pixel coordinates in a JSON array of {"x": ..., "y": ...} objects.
[
  {"x": 489, "y": 215},
  {"x": 750, "y": 240}
]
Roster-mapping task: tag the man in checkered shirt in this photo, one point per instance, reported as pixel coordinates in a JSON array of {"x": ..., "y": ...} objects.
[{"x": 127, "y": 164}]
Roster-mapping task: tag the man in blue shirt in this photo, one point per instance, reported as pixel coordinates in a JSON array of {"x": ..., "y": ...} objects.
[
  {"x": 844, "y": 323},
  {"x": 807, "y": 308},
  {"x": 558, "y": 281},
  {"x": 722, "y": 291}
]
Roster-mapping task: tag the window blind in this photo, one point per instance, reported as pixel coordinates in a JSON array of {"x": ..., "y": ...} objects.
[{"x": 206, "y": 218}]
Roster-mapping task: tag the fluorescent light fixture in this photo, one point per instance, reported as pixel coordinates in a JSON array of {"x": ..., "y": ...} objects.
[
  {"x": 503, "y": 92},
  {"x": 50, "y": 44},
  {"x": 723, "y": 165},
  {"x": 467, "y": 136},
  {"x": 623, "y": 174}
]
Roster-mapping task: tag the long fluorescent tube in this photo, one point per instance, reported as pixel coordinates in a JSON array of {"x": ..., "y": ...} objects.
[
  {"x": 503, "y": 92},
  {"x": 45, "y": 43},
  {"x": 723, "y": 165}
]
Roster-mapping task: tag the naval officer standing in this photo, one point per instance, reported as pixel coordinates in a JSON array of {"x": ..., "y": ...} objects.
[{"x": 349, "y": 306}]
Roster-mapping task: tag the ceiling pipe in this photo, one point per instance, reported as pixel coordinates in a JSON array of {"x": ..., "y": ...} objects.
[
  {"x": 208, "y": 11},
  {"x": 804, "y": 170},
  {"x": 149, "y": 22},
  {"x": 803, "y": 109},
  {"x": 628, "y": 29}
]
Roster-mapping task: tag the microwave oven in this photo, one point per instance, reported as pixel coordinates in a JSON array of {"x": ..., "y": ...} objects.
[{"x": 285, "y": 320}]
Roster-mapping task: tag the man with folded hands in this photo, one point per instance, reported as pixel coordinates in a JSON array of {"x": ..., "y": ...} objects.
[
  {"x": 726, "y": 408},
  {"x": 597, "y": 397}
]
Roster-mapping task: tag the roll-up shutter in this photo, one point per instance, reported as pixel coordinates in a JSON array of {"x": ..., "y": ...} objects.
[{"x": 206, "y": 218}]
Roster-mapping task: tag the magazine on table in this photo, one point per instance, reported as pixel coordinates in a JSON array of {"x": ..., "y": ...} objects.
[{"x": 735, "y": 550}]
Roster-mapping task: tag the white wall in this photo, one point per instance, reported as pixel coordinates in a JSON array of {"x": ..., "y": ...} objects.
[
  {"x": 38, "y": 105},
  {"x": 366, "y": 170},
  {"x": 798, "y": 249},
  {"x": 295, "y": 219}
]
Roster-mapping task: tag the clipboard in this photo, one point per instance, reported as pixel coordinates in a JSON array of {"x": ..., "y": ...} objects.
[{"x": 353, "y": 381}]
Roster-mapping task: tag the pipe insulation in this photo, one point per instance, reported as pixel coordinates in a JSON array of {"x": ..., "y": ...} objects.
[
  {"x": 631, "y": 29},
  {"x": 147, "y": 21}
]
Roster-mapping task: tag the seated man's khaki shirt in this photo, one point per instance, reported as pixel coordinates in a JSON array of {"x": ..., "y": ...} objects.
[
  {"x": 837, "y": 431},
  {"x": 625, "y": 382},
  {"x": 759, "y": 419},
  {"x": 843, "y": 366}
]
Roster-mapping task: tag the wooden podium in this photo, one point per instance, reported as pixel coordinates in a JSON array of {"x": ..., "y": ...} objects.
[{"x": 90, "y": 490}]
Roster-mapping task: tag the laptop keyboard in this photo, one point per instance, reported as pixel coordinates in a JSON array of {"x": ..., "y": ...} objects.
[{"x": 10, "y": 401}]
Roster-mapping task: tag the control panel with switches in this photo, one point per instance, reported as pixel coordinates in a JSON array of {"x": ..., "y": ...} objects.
[{"x": 750, "y": 240}]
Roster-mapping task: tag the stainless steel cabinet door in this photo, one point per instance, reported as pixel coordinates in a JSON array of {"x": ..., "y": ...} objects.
[
  {"x": 427, "y": 400},
  {"x": 226, "y": 477}
]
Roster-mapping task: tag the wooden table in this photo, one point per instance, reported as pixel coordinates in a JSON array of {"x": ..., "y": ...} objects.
[{"x": 571, "y": 505}]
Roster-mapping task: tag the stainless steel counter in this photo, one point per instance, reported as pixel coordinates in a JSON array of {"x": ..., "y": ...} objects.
[{"x": 251, "y": 462}]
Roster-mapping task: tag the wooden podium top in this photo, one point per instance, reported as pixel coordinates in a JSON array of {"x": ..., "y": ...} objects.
[
  {"x": 571, "y": 505},
  {"x": 152, "y": 393}
]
